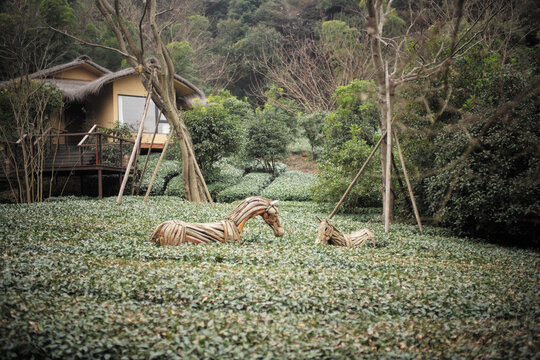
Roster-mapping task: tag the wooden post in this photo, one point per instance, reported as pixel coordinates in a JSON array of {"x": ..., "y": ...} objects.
[
  {"x": 357, "y": 176},
  {"x": 388, "y": 165},
  {"x": 100, "y": 184},
  {"x": 135, "y": 149},
  {"x": 409, "y": 187},
  {"x": 157, "y": 166}
]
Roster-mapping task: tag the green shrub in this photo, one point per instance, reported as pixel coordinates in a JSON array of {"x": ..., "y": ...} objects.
[
  {"x": 292, "y": 185},
  {"x": 215, "y": 134},
  {"x": 227, "y": 175},
  {"x": 251, "y": 184},
  {"x": 494, "y": 190},
  {"x": 258, "y": 166},
  {"x": 483, "y": 178},
  {"x": 273, "y": 129},
  {"x": 313, "y": 129},
  {"x": 175, "y": 187},
  {"x": 167, "y": 170},
  {"x": 349, "y": 135}
]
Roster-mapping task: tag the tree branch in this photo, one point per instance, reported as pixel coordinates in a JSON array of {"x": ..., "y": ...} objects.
[{"x": 84, "y": 42}]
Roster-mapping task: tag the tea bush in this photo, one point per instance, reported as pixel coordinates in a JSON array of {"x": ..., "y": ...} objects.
[
  {"x": 292, "y": 185},
  {"x": 227, "y": 175},
  {"x": 258, "y": 166},
  {"x": 81, "y": 280},
  {"x": 251, "y": 184},
  {"x": 167, "y": 170},
  {"x": 175, "y": 187}
]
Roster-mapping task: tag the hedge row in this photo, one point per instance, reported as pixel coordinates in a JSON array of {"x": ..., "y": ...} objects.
[
  {"x": 292, "y": 185},
  {"x": 167, "y": 170},
  {"x": 230, "y": 184},
  {"x": 251, "y": 184}
]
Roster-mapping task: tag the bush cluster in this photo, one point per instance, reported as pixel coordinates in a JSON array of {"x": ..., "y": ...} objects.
[
  {"x": 292, "y": 185},
  {"x": 167, "y": 170},
  {"x": 251, "y": 184},
  {"x": 175, "y": 187},
  {"x": 350, "y": 133},
  {"x": 482, "y": 172}
]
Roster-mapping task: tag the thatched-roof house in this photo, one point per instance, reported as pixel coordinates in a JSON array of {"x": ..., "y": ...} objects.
[{"x": 95, "y": 95}]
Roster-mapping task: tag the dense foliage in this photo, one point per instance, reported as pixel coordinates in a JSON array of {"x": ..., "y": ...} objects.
[
  {"x": 292, "y": 185},
  {"x": 349, "y": 136},
  {"x": 215, "y": 133},
  {"x": 480, "y": 166},
  {"x": 81, "y": 280},
  {"x": 251, "y": 184},
  {"x": 168, "y": 170}
]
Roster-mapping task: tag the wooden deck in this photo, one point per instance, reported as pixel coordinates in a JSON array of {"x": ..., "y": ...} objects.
[{"x": 95, "y": 153}]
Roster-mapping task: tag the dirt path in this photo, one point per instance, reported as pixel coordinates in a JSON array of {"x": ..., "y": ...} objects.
[{"x": 301, "y": 162}]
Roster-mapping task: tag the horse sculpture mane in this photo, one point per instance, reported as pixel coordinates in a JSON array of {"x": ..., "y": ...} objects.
[{"x": 175, "y": 232}]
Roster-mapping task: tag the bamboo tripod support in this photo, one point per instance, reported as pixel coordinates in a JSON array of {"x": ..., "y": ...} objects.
[
  {"x": 135, "y": 149},
  {"x": 405, "y": 174},
  {"x": 157, "y": 166},
  {"x": 148, "y": 154}
]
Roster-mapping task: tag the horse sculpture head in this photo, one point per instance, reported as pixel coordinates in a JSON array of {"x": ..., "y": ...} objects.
[{"x": 270, "y": 216}]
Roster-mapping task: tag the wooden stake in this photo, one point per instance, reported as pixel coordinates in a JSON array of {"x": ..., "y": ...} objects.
[
  {"x": 388, "y": 165},
  {"x": 148, "y": 154},
  {"x": 157, "y": 166},
  {"x": 409, "y": 187},
  {"x": 357, "y": 176},
  {"x": 135, "y": 149}
]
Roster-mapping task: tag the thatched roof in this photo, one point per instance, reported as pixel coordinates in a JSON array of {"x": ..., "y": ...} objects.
[
  {"x": 66, "y": 85},
  {"x": 78, "y": 90},
  {"x": 83, "y": 59},
  {"x": 92, "y": 88}
]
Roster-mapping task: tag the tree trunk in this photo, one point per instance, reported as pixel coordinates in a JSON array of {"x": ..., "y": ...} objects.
[{"x": 159, "y": 82}]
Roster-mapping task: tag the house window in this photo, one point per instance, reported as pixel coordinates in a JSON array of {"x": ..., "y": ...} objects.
[{"x": 130, "y": 110}]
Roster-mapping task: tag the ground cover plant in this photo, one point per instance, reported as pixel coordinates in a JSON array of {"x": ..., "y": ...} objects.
[{"x": 81, "y": 280}]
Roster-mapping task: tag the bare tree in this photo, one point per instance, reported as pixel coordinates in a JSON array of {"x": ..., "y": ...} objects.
[
  {"x": 419, "y": 53},
  {"x": 30, "y": 102},
  {"x": 161, "y": 86},
  {"x": 310, "y": 70}
]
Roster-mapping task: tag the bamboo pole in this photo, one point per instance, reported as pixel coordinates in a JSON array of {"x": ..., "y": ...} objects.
[
  {"x": 135, "y": 149},
  {"x": 157, "y": 166},
  {"x": 357, "y": 176},
  {"x": 149, "y": 152},
  {"x": 409, "y": 187},
  {"x": 388, "y": 165}
]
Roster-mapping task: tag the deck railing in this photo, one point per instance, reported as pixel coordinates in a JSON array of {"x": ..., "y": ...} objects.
[{"x": 105, "y": 150}]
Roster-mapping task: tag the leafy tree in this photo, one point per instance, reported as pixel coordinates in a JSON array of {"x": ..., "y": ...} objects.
[
  {"x": 349, "y": 135},
  {"x": 182, "y": 56},
  {"x": 272, "y": 130},
  {"x": 216, "y": 133},
  {"x": 267, "y": 139},
  {"x": 485, "y": 171},
  {"x": 313, "y": 124}
]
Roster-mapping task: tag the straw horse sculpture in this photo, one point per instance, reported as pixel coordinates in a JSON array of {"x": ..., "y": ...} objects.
[
  {"x": 175, "y": 232},
  {"x": 329, "y": 234}
]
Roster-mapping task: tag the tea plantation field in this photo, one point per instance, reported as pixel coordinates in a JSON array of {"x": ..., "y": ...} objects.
[{"x": 80, "y": 280}]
